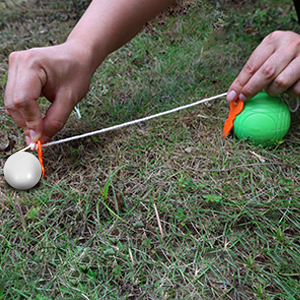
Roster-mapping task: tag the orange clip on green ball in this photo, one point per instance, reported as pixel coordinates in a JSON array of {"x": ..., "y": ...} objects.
[{"x": 235, "y": 109}]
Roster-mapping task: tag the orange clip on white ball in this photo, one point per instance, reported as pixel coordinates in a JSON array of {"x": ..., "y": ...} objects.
[{"x": 23, "y": 170}]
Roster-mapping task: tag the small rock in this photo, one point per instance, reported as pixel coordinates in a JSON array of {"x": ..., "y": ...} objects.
[
  {"x": 188, "y": 149},
  {"x": 138, "y": 224}
]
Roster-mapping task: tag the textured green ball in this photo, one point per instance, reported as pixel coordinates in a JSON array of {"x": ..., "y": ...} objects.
[{"x": 264, "y": 120}]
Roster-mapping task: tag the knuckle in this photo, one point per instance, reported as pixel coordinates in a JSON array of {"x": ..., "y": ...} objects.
[
  {"x": 13, "y": 57},
  {"x": 268, "y": 71},
  {"x": 24, "y": 56},
  {"x": 29, "y": 54},
  {"x": 7, "y": 111},
  {"x": 296, "y": 48},
  {"x": 296, "y": 90},
  {"x": 273, "y": 35},
  {"x": 19, "y": 102},
  {"x": 31, "y": 125},
  {"x": 249, "y": 68},
  {"x": 281, "y": 82},
  {"x": 8, "y": 104}
]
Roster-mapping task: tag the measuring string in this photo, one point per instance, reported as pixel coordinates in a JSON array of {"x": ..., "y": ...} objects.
[{"x": 115, "y": 127}]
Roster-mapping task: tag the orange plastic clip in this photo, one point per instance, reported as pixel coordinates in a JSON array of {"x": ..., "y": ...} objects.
[
  {"x": 235, "y": 109},
  {"x": 40, "y": 152}
]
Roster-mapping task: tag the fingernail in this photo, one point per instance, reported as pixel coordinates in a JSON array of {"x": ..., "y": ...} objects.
[
  {"x": 231, "y": 96},
  {"x": 28, "y": 140},
  {"x": 33, "y": 135},
  {"x": 32, "y": 146},
  {"x": 242, "y": 97}
]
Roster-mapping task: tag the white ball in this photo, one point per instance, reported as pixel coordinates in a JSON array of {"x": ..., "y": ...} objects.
[{"x": 22, "y": 170}]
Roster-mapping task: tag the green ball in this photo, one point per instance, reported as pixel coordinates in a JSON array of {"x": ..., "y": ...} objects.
[{"x": 264, "y": 120}]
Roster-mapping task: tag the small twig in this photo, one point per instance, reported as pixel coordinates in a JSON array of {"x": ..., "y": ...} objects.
[
  {"x": 131, "y": 256},
  {"x": 86, "y": 297},
  {"x": 290, "y": 275},
  {"x": 287, "y": 210},
  {"x": 18, "y": 208},
  {"x": 239, "y": 166},
  {"x": 158, "y": 221}
]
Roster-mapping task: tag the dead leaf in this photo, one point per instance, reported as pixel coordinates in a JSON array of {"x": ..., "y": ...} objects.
[
  {"x": 120, "y": 202},
  {"x": 10, "y": 145},
  {"x": 248, "y": 30},
  {"x": 127, "y": 190}
]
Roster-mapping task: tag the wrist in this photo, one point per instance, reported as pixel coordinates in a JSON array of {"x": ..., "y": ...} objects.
[{"x": 86, "y": 52}]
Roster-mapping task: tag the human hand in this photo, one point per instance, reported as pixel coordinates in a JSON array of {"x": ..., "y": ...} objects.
[
  {"x": 273, "y": 66},
  {"x": 60, "y": 73}
]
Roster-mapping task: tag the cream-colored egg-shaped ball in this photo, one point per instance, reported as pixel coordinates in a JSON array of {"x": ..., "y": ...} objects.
[{"x": 22, "y": 170}]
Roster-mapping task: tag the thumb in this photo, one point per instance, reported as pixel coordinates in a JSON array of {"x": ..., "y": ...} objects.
[{"x": 56, "y": 116}]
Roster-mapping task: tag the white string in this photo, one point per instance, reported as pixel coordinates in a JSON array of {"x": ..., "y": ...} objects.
[{"x": 129, "y": 123}]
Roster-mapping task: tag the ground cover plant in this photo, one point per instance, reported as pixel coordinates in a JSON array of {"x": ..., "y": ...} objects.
[{"x": 166, "y": 209}]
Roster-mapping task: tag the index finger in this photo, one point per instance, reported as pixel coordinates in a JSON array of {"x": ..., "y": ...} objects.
[
  {"x": 254, "y": 63},
  {"x": 23, "y": 90}
]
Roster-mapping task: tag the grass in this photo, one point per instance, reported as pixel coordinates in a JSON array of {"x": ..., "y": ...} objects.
[{"x": 229, "y": 211}]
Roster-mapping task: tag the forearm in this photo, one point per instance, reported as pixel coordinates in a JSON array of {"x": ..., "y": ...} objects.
[
  {"x": 109, "y": 24},
  {"x": 62, "y": 73}
]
